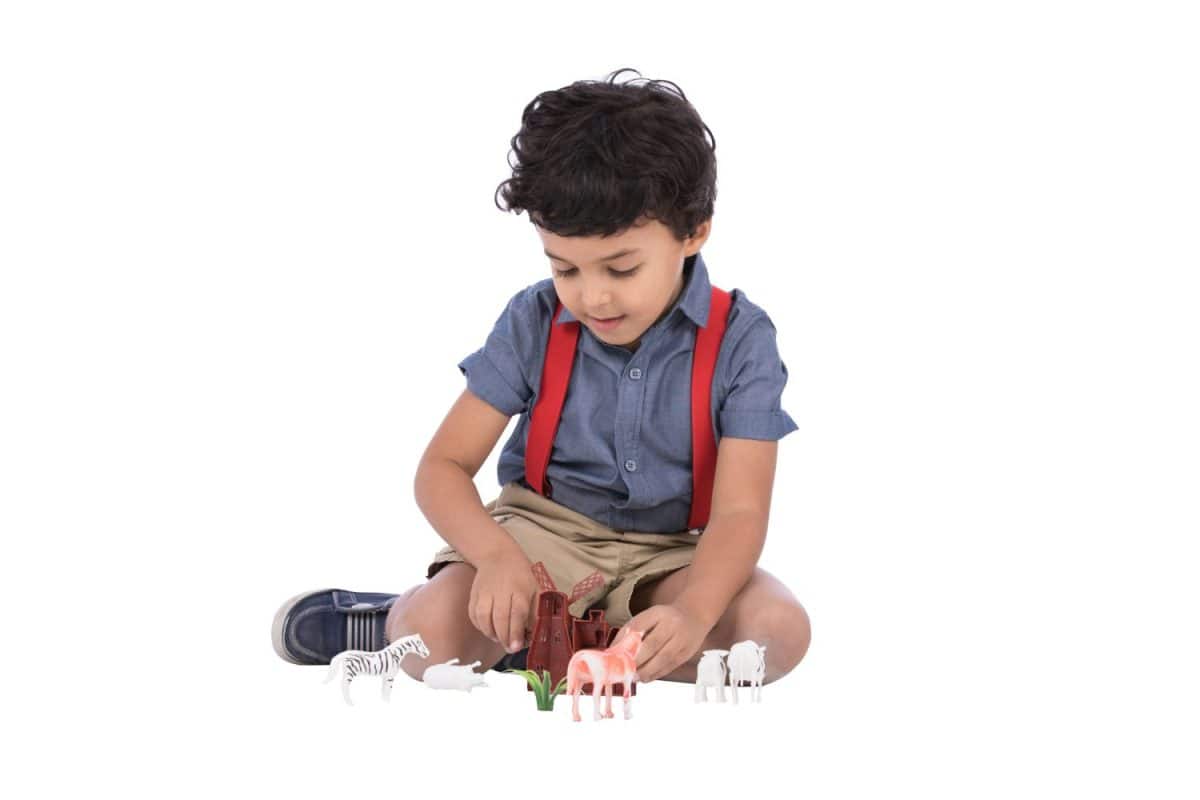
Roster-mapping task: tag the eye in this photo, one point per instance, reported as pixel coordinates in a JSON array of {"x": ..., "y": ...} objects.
[{"x": 616, "y": 273}]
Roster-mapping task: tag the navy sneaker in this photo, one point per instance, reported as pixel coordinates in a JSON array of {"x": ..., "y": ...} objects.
[
  {"x": 313, "y": 627},
  {"x": 512, "y": 661}
]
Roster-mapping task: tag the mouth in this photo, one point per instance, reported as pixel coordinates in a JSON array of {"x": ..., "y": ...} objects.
[{"x": 607, "y": 324}]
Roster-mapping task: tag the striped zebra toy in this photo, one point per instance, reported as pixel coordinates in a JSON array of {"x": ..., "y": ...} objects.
[{"x": 385, "y": 662}]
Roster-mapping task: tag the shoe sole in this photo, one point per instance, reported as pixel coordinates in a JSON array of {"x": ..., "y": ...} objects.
[{"x": 280, "y": 621}]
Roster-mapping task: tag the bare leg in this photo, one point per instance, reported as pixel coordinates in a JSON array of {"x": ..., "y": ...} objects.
[
  {"x": 437, "y": 609},
  {"x": 764, "y": 610}
]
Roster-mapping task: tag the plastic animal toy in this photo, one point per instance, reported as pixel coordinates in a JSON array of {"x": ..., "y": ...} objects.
[
  {"x": 603, "y": 668},
  {"x": 385, "y": 662},
  {"x": 747, "y": 664},
  {"x": 711, "y": 672},
  {"x": 450, "y": 676}
]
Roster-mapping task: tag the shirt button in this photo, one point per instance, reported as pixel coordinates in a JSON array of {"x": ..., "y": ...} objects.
[
  {"x": 635, "y": 373},
  {"x": 631, "y": 465}
]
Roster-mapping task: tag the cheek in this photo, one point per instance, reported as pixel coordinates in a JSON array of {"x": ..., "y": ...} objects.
[{"x": 565, "y": 294}]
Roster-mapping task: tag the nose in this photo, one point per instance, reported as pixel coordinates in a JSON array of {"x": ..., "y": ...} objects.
[{"x": 598, "y": 298}]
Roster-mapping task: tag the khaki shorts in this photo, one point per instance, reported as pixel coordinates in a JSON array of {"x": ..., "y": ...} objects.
[{"x": 573, "y": 546}]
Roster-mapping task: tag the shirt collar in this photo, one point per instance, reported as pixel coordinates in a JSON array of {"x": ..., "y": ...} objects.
[{"x": 693, "y": 301}]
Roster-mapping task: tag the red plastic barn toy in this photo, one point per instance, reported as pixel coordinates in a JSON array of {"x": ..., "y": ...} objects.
[
  {"x": 557, "y": 635},
  {"x": 617, "y": 664}
]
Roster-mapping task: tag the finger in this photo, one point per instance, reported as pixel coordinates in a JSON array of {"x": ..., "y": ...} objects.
[
  {"x": 648, "y": 623},
  {"x": 650, "y": 648},
  {"x": 473, "y": 605},
  {"x": 483, "y": 613},
  {"x": 652, "y": 643},
  {"x": 663, "y": 663},
  {"x": 516, "y": 623},
  {"x": 643, "y": 622},
  {"x": 501, "y": 611}
]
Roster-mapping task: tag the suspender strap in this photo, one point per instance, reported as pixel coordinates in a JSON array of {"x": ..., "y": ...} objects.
[
  {"x": 543, "y": 420},
  {"x": 704, "y": 445},
  {"x": 556, "y": 375}
]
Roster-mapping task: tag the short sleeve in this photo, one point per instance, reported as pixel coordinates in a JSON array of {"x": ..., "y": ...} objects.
[
  {"x": 757, "y": 376},
  {"x": 499, "y": 372}
]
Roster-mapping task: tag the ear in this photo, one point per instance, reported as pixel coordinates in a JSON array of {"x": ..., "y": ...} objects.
[{"x": 693, "y": 243}]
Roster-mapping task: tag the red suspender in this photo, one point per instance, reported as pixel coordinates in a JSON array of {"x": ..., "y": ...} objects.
[
  {"x": 704, "y": 446},
  {"x": 543, "y": 420},
  {"x": 556, "y": 375}
]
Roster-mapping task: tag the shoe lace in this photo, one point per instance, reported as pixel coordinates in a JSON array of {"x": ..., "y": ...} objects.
[{"x": 360, "y": 627}]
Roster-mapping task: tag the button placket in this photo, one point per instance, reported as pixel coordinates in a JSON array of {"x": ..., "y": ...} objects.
[{"x": 632, "y": 395}]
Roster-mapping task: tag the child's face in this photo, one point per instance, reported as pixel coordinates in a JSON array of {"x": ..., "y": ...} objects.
[{"x": 638, "y": 287}]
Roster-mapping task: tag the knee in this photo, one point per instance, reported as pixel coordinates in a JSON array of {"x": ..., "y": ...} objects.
[
  {"x": 424, "y": 610},
  {"x": 437, "y": 610},
  {"x": 399, "y": 616},
  {"x": 787, "y": 632}
]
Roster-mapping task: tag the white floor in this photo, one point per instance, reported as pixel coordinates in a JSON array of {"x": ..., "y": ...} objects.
[{"x": 244, "y": 244}]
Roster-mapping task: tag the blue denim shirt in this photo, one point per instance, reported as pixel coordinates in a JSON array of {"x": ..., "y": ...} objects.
[{"x": 623, "y": 452}]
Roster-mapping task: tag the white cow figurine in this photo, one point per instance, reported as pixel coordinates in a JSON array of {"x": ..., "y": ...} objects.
[
  {"x": 711, "y": 672},
  {"x": 746, "y": 663},
  {"x": 449, "y": 676}
]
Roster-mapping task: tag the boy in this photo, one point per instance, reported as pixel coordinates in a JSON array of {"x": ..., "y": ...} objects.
[{"x": 619, "y": 181}]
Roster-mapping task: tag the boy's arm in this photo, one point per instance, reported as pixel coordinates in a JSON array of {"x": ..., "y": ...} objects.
[
  {"x": 732, "y": 541},
  {"x": 444, "y": 486}
]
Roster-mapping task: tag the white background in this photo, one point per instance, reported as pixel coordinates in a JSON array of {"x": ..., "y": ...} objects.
[{"x": 244, "y": 245}]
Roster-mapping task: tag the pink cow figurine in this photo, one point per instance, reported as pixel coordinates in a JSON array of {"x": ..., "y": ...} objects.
[{"x": 602, "y": 669}]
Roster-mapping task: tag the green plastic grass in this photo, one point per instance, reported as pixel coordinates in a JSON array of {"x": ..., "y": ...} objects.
[{"x": 541, "y": 687}]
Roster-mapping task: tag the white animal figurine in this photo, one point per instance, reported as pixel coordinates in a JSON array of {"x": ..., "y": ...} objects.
[
  {"x": 746, "y": 663},
  {"x": 449, "y": 676},
  {"x": 385, "y": 662},
  {"x": 711, "y": 672}
]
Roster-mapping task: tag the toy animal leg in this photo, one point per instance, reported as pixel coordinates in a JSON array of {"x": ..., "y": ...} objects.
[
  {"x": 756, "y": 695},
  {"x": 626, "y": 708},
  {"x": 721, "y": 692},
  {"x": 701, "y": 693},
  {"x": 733, "y": 687},
  {"x": 608, "y": 714},
  {"x": 575, "y": 704},
  {"x": 346, "y": 690},
  {"x": 387, "y": 687},
  {"x": 597, "y": 688}
]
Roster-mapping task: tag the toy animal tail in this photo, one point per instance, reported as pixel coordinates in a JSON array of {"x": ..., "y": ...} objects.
[{"x": 333, "y": 667}]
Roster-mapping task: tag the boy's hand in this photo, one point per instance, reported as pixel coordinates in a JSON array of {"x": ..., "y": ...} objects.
[
  {"x": 502, "y": 597},
  {"x": 670, "y": 636}
]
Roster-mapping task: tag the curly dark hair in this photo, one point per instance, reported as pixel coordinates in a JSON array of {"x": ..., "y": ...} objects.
[{"x": 596, "y": 156}]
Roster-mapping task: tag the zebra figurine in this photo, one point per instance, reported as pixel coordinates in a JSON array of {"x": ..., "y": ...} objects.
[{"x": 385, "y": 662}]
